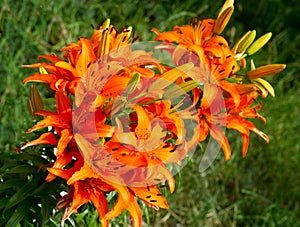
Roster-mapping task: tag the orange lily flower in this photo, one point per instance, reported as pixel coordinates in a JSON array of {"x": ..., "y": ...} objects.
[
  {"x": 85, "y": 179},
  {"x": 90, "y": 188},
  {"x": 212, "y": 118},
  {"x": 189, "y": 37},
  {"x": 125, "y": 199},
  {"x": 60, "y": 120},
  {"x": 66, "y": 75},
  {"x": 130, "y": 122},
  {"x": 62, "y": 123},
  {"x": 56, "y": 77},
  {"x": 236, "y": 118}
]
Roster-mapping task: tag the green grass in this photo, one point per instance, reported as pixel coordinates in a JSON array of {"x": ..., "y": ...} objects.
[{"x": 260, "y": 190}]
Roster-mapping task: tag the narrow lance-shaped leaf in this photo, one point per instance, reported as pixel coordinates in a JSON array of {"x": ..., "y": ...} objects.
[
  {"x": 46, "y": 209},
  {"x": 171, "y": 76},
  {"x": 133, "y": 82},
  {"x": 19, "y": 213},
  {"x": 21, "y": 194},
  {"x": 180, "y": 89}
]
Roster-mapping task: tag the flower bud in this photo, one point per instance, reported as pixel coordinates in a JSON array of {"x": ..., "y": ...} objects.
[
  {"x": 223, "y": 19},
  {"x": 267, "y": 86},
  {"x": 259, "y": 43},
  {"x": 35, "y": 102},
  {"x": 265, "y": 70},
  {"x": 245, "y": 42}
]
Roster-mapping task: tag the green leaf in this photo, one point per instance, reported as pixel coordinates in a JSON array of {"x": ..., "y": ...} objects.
[
  {"x": 3, "y": 202},
  {"x": 9, "y": 164},
  {"x": 231, "y": 80},
  {"x": 47, "y": 188},
  {"x": 55, "y": 220},
  {"x": 19, "y": 213},
  {"x": 81, "y": 216},
  {"x": 32, "y": 157},
  {"x": 21, "y": 194},
  {"x": 45, "y": 210},
  {"x": 11, "y": 183},
  {"x": 132, "y": 84},
  {"x": 26, "y": 168}
]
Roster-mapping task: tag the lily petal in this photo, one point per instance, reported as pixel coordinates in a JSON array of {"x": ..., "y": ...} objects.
[{"x": 45, "y": 138}]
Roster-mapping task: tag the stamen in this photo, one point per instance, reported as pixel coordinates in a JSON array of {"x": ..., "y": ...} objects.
[
  {"x": 192, "y": 20},
  {"x": 114, "y": 28},
  {"x": 135, "y": 39}
]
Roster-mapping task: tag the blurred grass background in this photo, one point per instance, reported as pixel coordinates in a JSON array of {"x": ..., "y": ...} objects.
[{"x": 260, "y": 190}]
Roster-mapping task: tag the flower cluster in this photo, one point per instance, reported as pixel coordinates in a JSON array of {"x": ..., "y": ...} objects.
[{"x": 123, "y": 117}]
